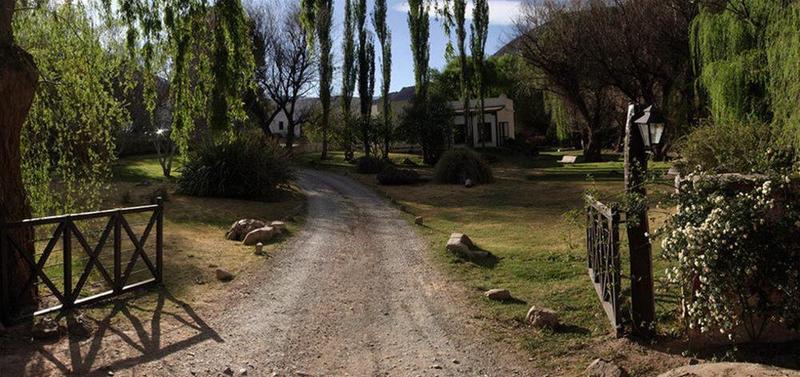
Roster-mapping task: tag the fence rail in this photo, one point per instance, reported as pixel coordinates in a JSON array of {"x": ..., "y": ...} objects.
[
  {"x": 602, "y": 246},
  {"x": 79, "y": 254}
]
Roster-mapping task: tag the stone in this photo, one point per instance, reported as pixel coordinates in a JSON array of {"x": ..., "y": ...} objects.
[
  {"x": 460, "y": 245},
  {"x": 419, "y": 220},
  {"x": 46, "y": 329},
  {"x": 603, "y": 368},
  {"x": 279, "y": 226},
  {"x": 468, "y": 183},
  {"x": 498, "y": 294},
  {"x": 542, "y": 317},
  {"x": 730, "y": 370},
  {"x": 78, "y": 326},
  {"x": 224, "y": 276},
  {"x": 241, "y": 228},
  {"x": 259, "y": 235},
  {"x": 228, "y": 371},
  {"x": 259, "y": 248}
]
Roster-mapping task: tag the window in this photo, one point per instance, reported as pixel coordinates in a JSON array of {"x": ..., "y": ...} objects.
[
  {"x": 486, "y": 133},
  {"x": 502, "y": 132},
  {"x": 280, "y": 126}
]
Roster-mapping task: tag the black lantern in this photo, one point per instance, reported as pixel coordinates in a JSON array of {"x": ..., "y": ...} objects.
[{"x": 651, "y": 126}]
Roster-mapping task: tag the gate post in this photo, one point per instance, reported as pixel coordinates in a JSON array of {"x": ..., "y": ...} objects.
[{"x": 160, "y": 240}]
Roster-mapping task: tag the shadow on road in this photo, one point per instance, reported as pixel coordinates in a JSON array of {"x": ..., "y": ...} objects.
[{"x": 126, "y": 334}]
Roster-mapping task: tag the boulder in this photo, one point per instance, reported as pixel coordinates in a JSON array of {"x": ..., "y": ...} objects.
[
  {"x": 603, "y": 368},
  {"x": 279, "y": 226},
  {"x": 223, "y": 275},
  {"x": 542, "y": 317},
  {"x": 262, "y": 235},
  {"x": 46, "y": 329},
  {"x": 468, "y": 183},
  {"x": 730, "y": 370},
  {"x": 419, "y": 220},
  {"x": 460, "y": 245},
  {"x": 239, "y": 229},
  {"x": 498, "y": 294}
]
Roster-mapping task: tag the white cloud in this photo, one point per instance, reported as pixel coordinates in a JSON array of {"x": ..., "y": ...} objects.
[{"x": 501, "y": 12}]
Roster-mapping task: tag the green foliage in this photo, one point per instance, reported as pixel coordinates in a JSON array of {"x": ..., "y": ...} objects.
[
  {"x": 460, "y": 164},
  {"x": 67, "y": 142},
  {"x": 369, "y": 165},
  {"x": 349, "y": 73},
  {"x": 734, "y": 244},
  {"x": 748, "y": 55},
  {"x": 251, "y": 167},
  {"x": 392, "y": 176},
  {"x": 385, "y": 41},
  {"x": 427, "y": 122},
  {"x": 736, "y": 147}
]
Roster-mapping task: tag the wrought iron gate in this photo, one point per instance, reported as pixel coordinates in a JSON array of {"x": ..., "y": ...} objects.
[{"x": 602, "y": 246}]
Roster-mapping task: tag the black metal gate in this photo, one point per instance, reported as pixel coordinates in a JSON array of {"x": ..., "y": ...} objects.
[
  {"x": 56, "y": 284},
  {"x": 602, "y": 246}
]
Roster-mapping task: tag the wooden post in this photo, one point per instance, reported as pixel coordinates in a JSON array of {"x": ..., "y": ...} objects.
[
  {"x": 117, "y": 253},
  {"x": 160, "y": 241},
  {"x": 68, "y": 293},
  {"x": 642, "y": 298}
]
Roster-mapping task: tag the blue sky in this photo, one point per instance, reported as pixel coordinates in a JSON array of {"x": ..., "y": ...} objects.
[{"x": 501, "y": 29}]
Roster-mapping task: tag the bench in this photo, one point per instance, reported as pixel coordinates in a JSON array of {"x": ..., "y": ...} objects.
[{"x": 568, "y": 159}]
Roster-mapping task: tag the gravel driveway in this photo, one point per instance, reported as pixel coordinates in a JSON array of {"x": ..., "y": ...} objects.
[{"x": 351, "y": 294}]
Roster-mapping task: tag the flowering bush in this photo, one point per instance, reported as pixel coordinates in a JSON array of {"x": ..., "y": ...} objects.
[{"x": 735, "y": 242}]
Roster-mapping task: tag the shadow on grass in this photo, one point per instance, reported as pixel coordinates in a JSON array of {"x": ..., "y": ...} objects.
[
  {"x": 572, "y": 329},
  {"x": 113, "y": 345}
]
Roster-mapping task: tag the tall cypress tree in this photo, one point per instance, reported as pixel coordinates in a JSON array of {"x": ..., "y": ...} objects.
[
  {"x": 317, "y": 18},
  {"x": 385, "y": 40},
  {"x": 419, "y": 28}
]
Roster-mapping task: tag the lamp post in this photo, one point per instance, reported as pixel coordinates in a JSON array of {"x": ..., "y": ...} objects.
[{"x": 643, "y": 130}]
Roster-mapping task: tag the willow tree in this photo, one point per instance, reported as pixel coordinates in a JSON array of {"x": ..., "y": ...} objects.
[
  {"x": 348, "y": 77},
  {"x": 385, "y": 41},
  {"x": 748, "y": 55},
  {"x": 480, "y": 30},
  {"x": 317, "y": 18},
  {"x": 181, "y": 25}
]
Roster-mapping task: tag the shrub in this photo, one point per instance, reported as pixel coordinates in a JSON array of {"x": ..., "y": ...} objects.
[
  {"x": 736, "y": 148},
  {"x": 457, "y": 165},
  {"x": 522, "y": 147},
  {"x": 369, "y": 165},
  {"x": 251, "y": 167},
  {"x": 735, "y": 245},
  {"x": 392, "y": 176}
]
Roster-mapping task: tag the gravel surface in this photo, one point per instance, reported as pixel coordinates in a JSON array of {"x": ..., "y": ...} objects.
[{"x": 352, "y": 293}]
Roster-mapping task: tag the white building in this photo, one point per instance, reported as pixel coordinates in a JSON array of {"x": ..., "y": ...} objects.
[{"x": 498, "y": 118}]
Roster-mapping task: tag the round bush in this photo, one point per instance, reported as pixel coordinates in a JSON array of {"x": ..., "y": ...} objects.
[
  {"x": 369, "y": 165},
  {"x": 392, "y": 176},
  {"x": 457, "y": 165},
  {"x": 244, "y": 168}
]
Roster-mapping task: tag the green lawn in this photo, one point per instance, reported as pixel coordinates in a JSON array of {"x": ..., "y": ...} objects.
[
  {"x": 541, "y": 253},
  {"x": 140, "y": 168}
]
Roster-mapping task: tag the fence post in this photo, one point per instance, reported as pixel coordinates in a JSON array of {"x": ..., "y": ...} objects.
[
  {"x": 160, "y": 240},
  {"x": 67, "y": 238},
  {"x": 117, "y": 253},
  {"x": 5, "y": 304}
]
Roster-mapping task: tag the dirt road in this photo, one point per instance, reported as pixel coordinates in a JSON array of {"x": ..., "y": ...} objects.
[{"x": 351, "y": 294}]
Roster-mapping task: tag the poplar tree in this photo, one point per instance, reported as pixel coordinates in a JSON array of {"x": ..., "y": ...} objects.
[
  {"x": 385, "y": 41},
  {"x": 480, "y": 29},
  {"x": 348, "y": 77},
  {"x": 317, "y": 18},
  {"x": 366, "y": 73}
]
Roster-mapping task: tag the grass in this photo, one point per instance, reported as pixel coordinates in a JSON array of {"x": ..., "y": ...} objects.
[
  {"x": 524, "y": 220},
  {"x": 141, "y": 168}
]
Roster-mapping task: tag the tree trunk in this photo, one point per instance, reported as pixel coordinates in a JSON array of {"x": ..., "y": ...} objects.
[
  {"x": 592, "y": 148},
  {"x": 18, "y": 80}
]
